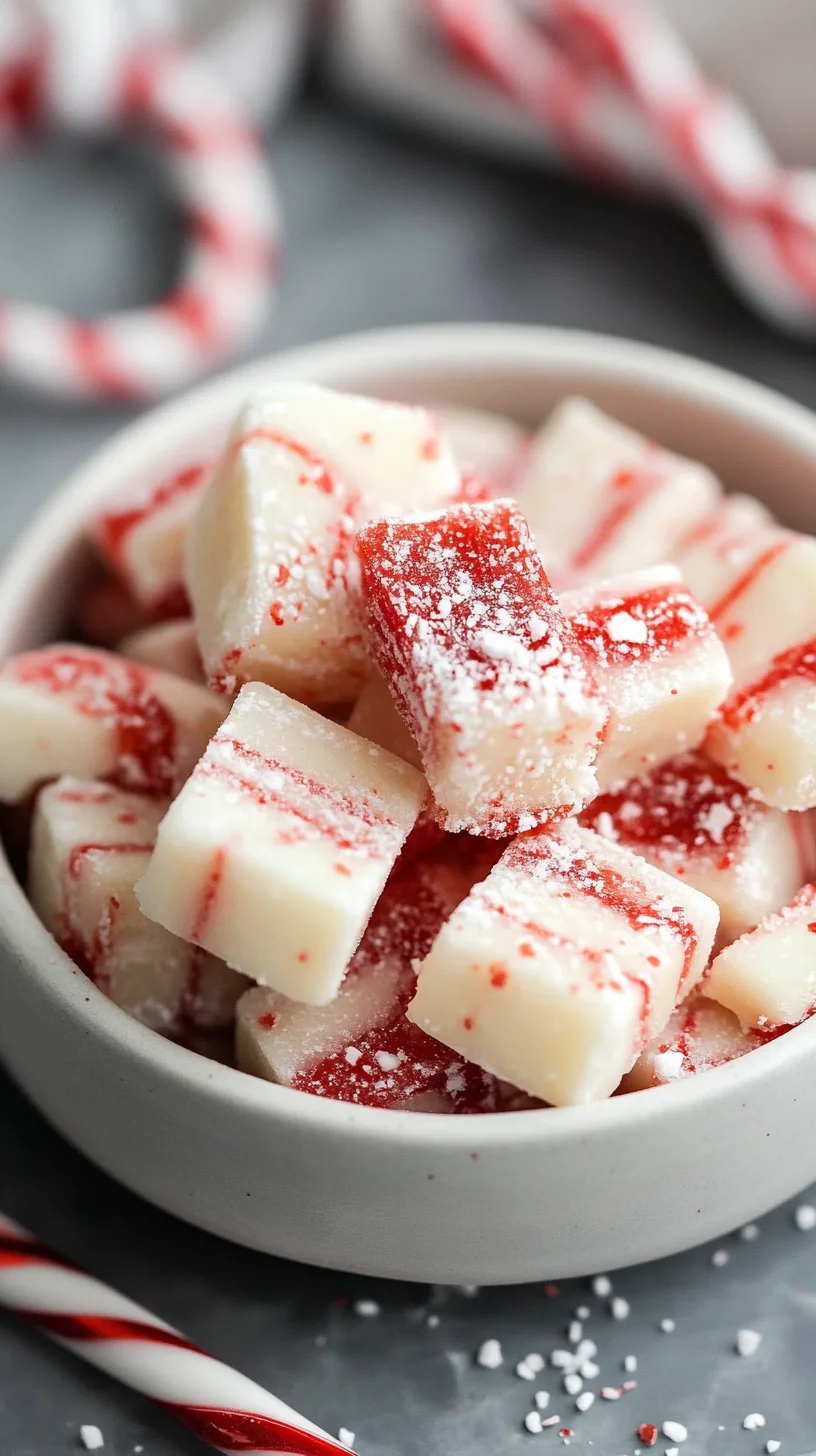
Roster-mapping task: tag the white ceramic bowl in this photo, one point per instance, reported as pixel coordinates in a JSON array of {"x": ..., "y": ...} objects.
[{"x": 488, "y": 1199}]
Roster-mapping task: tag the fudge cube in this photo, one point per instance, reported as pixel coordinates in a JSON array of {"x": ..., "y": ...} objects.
[
  {"x": 766, "y": 616},
  {"x": 768, "y": 977},
  {"x": 483, "y": 666},
  {"x": 75, "y": 710},
  {"x": 271, "y": 561},
  {"x": 698, "y": 1036},
  {"x": 691, "y": 819},
  {"x": 276, "y": 850},
  {"x": 361, "y": 1048},
  {"x": 90, "y": 844},
  {"x": 713, "y": 553},
  {"x": 171, "y": 646},
  {"x": 557, "y": 970},
  {"x": 375, "y": 716},
  {"x": 658, "y": 662},
  {"x": 490, "y": 449},
  {"x": 601, "y": 498},
  {"x": 143, "y": 541}
]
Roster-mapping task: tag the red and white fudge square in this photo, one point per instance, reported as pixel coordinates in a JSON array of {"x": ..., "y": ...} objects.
[
  {"x": 765, "y": 734},
  {"x": 271, "y": 564},
  {"x": 768, "y": 977},
  {"x": 658, "y": 662},
  {"x": 699, "y": 1035},
  {"x": 483, "y": 665},
  {"x": 601, "y": 498},
  {"x": 76, "y": 710},
  {"x": 277, "y": 848},
  {"x": 143, "y": 541},
  {"x": 90, "y": 844},
  {"x": 556, "y": 971},
  {"x": 691, "y": 819},
  {"x": 361, "y": 1048},
  {"x": 714, "y": 553},
  {"x": 171, "y": 646}
]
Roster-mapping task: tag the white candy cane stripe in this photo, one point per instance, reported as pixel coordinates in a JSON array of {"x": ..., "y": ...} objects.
[
  {"x": 221, "y": 181},
  {"x": 562, "y": 61},
  {"x": 224, "y": 1408}
]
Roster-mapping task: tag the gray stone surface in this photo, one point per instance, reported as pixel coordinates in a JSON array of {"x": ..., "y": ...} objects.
[{"x": 385, "y": 229}]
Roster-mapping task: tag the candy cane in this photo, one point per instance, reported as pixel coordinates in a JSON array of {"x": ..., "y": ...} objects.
[
  {"x": 224, "y": 1408},
  {"x": 220, "y": 178},
  {"x": 562, "y": 60}
]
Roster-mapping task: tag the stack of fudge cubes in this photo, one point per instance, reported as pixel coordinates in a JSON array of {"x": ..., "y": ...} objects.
[{"x": 460, "y": 770}]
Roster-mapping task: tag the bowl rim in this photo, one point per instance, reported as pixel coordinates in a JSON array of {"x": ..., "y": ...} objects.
[{"x": 59, "y": 524}]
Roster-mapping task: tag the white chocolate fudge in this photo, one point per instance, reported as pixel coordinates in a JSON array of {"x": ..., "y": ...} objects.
[
  {"x": 601, "y": 498},
  {"x": 658, "y": 663},
  {"x": 276, "y": 850},
  {"x": 360, "y": 1047},
  {"x": 271, "y": 565},
  {"x": 689, "y": 818},
  {"x": 489, "y": 449},
  {"x": 766, "y": 616},
  {"x": 143, "y": 540},
  {"x": 483, "y": 666},
  {"x": 375, "y": 716},
  {"x": 556, "y": 971},
  {"x": 768, "y": 977},
  {"x": 75, "y": 710},
  {"x": 698, "y": 1036},
  {"x": 714, "y": 552},
  {"x": 90, "y": 844},
  {"x": 171, "y": 646}
]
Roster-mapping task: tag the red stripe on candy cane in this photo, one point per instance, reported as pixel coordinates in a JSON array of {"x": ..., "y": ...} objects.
[
  {"x": 123, "y": 1346},
  {"x": 241, "y": 1431},
  {"x": 560, "y": 60}
]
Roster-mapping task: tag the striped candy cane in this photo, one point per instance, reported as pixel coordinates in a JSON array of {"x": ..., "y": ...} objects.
[
  {"x": 218, "y": 175},
  {"x": 224, "y": 1408},
  {"x": 571, "y": 63}
]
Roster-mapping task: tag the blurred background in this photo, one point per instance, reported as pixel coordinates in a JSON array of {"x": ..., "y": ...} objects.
[{"x": 413, "y": 188}]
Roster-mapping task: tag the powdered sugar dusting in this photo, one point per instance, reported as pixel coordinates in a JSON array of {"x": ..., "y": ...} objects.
[{"x": 482, "y": 664}]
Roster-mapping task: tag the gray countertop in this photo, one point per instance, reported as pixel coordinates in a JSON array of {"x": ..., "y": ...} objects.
[{"x": 382, "y": 229}]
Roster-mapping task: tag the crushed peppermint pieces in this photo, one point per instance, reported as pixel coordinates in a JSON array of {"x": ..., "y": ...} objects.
[
  {"x": 805, "y": 1217},
  {"x": 648, "y": 1433},
  {"x": 550, "y": 1421},
  {"x": 489, "y": 1355},
  {"x": 748, "y": 1342},
  {"x": 668, "y": 1326},
  {"x": 91, "y": 1438},
  {"x": 345, "y": 1437},
  {"x": 619, "y": 1308},
  {"x": 720, "y": 1258},
  {"x": 674, "y": 1431},
  {"x": 366, "y": 1308},
  {"x": 752, "y": 1422},
  {"x": 611, "y": 1392},
  {"x": 602, "y": 1286}
]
